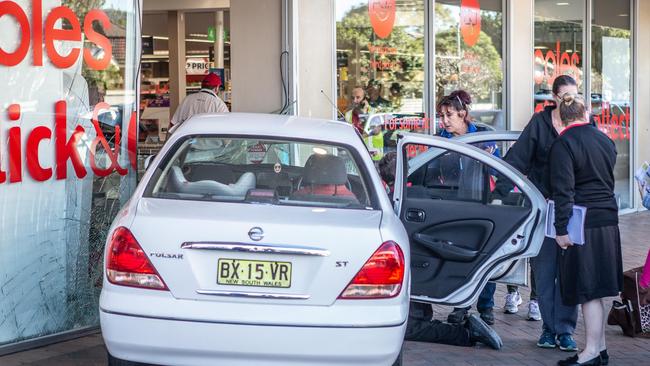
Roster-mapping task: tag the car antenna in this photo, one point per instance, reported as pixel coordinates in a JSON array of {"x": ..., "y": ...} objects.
[{"x": 332, "y": 104}]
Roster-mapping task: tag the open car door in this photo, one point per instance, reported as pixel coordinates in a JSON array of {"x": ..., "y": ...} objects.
[
  {"x": 460, "y": 235},
  {"x": 514, "y": 272}
]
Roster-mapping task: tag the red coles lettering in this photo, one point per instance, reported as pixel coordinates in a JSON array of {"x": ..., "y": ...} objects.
[
  {"x": 560, "y": 63},
  {"x": 53, "y": 34},
  {"x": 39, "y": 35},
  {"x": 98, "y": 39},
  {"x": 33, "y": 165},
  {"x": 14, "y": 58}
]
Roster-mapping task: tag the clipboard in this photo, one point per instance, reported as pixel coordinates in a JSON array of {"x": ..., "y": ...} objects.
[{"x": 576, "y": 227}]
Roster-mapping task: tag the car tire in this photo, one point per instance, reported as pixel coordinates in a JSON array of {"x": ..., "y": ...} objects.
[
  {"x": 398, "y": 361},
  {"x": 113, "y": 361}
]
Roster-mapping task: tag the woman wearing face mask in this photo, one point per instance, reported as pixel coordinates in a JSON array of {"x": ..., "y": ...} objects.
[
  {"x": 455, "y": 120},
  {"x": 530, "y": 155},
  {"x": 582, "y": 163}
]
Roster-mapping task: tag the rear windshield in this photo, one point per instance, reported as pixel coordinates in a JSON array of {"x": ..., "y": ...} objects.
[{"x": 261, "y": 171}]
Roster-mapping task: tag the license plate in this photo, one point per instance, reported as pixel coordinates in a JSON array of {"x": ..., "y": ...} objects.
[{"x": 240, "y": 272}]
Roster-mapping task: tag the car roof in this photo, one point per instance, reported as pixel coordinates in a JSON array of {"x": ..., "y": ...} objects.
[{"x": 270, "y": 125}]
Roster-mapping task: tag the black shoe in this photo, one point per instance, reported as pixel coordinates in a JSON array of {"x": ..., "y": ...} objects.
[
  {"x": 488, "y": 316},
  {"x": 573, "y": 361},
  {"x": 604, "y": 358},
  {"x": 459, "y": 315},
  {"x": 481, "y": 332}
]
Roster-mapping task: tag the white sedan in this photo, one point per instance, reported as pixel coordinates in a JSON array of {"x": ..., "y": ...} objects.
[{"x": 270, "y": 240}]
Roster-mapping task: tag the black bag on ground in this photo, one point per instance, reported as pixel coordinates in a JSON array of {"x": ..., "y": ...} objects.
[{"x": 632, "y": 313}]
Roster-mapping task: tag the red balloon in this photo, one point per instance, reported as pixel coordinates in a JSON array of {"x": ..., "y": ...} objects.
[
  {"x": 382, "y": 16},
  {"x": 470, "y": 21}
]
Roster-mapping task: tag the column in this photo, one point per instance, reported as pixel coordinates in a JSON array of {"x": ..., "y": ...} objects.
[
  {"x": 316, "y": 59},
  {"x": 176, "y": 24},
  {"x": 520, "y": 66},
  {"x": 641, "y": 62},
  {"x": 218, "y": 42}
]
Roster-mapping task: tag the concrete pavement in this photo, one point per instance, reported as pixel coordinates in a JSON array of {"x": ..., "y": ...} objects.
[{"x": 518, "y": 334}]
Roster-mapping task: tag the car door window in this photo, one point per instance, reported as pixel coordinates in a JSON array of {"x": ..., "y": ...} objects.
[{"x": 453, "y": 176}]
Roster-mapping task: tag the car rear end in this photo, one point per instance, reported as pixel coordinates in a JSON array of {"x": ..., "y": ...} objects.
[{"x": 256, "y": 279}]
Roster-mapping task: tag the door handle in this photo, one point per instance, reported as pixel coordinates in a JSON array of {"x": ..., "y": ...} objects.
[
  {"x": 415, "y": 215},
  {"x": 446, "y": 249}
]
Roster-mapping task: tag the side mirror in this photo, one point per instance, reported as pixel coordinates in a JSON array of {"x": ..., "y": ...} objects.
[{"x": 148, "y": 160}]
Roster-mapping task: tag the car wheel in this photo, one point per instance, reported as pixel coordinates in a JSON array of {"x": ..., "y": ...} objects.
[
  {"x": 398, "y": 362},
  {"x": 112, "y": 361}
]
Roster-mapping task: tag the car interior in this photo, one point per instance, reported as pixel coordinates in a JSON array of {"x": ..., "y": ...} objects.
[{"x": 323, "y": 179}]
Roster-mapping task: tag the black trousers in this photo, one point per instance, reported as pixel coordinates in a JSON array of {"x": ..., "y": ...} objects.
[{"x": 421, "y": 328}]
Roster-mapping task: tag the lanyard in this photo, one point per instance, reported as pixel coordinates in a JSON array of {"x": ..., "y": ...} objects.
[{"x": 206, "y": 91}]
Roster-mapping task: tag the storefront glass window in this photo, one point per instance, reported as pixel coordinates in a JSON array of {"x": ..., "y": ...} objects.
[
  {"x": 558, "y": 46},
  {"x": 469, "y": 55},
  {"x": 202, "y": 34},
  {"x": 67, "y": 156},
  {"x": 611, "y": 84},
  {"x": 559, "y": 28},
  {"x": 380, "y": 62}
]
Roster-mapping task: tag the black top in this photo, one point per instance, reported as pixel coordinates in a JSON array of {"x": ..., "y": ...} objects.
[
  {"x": 582, "y": 172},
  {"x": 530, "y": 154}
]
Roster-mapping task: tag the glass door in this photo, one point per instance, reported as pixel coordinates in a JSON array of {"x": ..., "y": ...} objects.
[{"x": 611, "y": 84}]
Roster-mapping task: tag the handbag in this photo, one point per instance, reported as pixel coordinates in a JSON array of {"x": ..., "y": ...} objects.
[
  {"x": 632, "y": 313},
  {"x": 621, "y": 315}
]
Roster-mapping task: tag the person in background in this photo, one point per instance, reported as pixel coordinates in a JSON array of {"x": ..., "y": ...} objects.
[
  {"x": 582, "y": 163},
  {"x": 530, "y": 155},
  {"x": 387, "y": 167},
  {"x": 420, "y": 326},
  {"x": 455, "y": 120},
  {"x": 359, "y": 107},
  {"x": 375, "y": 99},
  {"x": 644, "y": 281},
  {"x": 375, "y": 140},
  {"x": 396, "y": 96},
  {"x": 204, "y": 101}
]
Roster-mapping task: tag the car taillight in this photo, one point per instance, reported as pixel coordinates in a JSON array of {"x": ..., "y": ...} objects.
[
  {"x": 127, "y": 264},
  {"x": 380, "y": 277}
]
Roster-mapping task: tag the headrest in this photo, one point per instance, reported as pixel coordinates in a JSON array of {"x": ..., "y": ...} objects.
[{"x": 324, "y": 169}]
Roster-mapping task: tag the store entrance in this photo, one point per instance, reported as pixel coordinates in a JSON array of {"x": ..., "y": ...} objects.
[{"x": 179, "y": 48}]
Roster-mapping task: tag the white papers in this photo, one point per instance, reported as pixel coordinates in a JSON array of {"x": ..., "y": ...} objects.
[
  {"x": 642, "y": 177},
  {"x": 576, "y": 227}
]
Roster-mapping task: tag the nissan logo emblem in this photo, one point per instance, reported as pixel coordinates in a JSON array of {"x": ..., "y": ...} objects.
[{"x": 256, "y": 234}]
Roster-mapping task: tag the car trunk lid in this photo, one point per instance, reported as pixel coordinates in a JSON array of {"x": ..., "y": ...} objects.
[{"x": 239, "y": 252}]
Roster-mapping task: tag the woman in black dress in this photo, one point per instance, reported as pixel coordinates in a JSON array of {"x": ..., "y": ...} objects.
[{"x": 582, "y": 173}]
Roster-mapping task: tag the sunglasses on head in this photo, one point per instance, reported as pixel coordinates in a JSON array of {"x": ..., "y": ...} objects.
[{"x": 462, "y": 105}]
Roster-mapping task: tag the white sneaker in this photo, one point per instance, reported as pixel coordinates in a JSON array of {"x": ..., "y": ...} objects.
[
  {"x": 533, "y": 311},
  {"x": 513, "y": 300}
]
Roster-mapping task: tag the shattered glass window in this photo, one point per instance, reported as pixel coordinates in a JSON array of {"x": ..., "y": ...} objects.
[{"x": 67, "y": 156}]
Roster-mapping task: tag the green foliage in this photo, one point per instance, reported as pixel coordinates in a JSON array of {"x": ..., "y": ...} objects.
[
  {"x": 111, "y": 77},
  {"x": 477, "y": 69},
  {"x": 82, "y": 7},
  {"x": 354, "y": 33}
]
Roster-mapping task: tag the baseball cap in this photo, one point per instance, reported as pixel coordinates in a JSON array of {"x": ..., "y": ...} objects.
[{"x": 211, "y": 80}]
